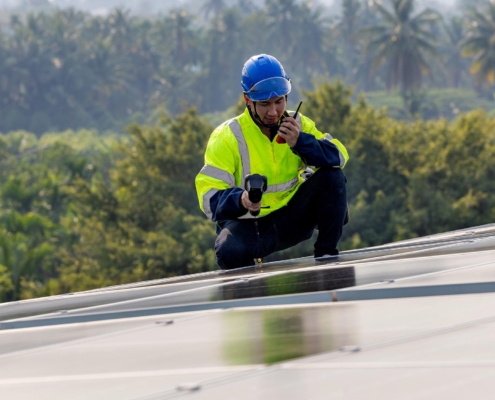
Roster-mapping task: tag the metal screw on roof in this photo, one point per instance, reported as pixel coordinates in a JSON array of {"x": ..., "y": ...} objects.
[
  {"x": 388, "y": 280},
  {"x": 189, "y": 387},
  {"x": 350, "y": 349},
  {"x": 169, "y": 322},
  {"x": 63, "y": 311}
]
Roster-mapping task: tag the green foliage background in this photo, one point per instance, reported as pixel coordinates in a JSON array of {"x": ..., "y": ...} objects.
[
  {"x": 86, "y": 202},
  {"x": 67, "y": 69}
]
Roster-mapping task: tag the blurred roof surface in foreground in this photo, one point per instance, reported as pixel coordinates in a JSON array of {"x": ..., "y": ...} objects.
[{"x": 405, "y": 320}]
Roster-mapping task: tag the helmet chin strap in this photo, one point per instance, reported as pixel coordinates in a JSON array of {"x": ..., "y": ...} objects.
[{"x": 256, "y": 116}]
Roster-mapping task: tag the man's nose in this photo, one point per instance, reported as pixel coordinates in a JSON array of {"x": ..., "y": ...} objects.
[{"x": 272, "y": 109}]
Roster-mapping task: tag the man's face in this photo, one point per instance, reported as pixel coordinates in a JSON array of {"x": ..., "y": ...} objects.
[{"x": 270, "y": 111}]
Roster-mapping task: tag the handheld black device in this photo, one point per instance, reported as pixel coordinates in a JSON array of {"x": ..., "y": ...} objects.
[{"x": 255, "y": 185}]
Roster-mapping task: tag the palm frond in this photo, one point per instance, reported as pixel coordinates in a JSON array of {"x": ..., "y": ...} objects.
[
  {"x": 404, "y": 8},
  {"x": 385, "y": 14},
  {"x": 427, "y": 14}
]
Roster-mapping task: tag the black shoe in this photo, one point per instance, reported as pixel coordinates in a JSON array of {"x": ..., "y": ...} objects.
[{"x": 327, "y": 259}]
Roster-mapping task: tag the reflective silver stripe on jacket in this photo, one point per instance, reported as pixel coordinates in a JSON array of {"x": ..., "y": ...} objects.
[
  {"x": 206, "y": 202},
  {"x": 217, "y": 173},
  {"x": 341, "y": 156},
  {"x": 282, "y": 187},
  {"x": 235, "y": 127}
]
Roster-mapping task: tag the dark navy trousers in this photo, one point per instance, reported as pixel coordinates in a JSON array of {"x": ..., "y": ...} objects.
[{"x": 320, "y": 202}]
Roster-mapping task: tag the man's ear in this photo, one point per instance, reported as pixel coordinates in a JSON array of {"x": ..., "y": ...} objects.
[{"x": 246, "y": 99}]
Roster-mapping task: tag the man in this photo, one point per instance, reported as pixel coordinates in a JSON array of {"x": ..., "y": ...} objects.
[{"x": 293, "y": 204}]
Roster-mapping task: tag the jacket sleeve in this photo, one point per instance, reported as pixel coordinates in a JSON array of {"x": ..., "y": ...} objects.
[
  {"x": 218, "y": 194},
  {"x": 319, "y": 150},
  {"x": 226, "y": 204}
]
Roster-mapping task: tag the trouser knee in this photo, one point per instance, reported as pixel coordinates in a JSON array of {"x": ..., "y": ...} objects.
[
  {"x": 231, "y": 253},
  {"x": 333, "y": 176}
]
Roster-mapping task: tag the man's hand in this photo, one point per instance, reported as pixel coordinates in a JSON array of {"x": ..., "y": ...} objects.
[
  {"x": 247, "y": 204},
  {"x": 289, "y": 130}
]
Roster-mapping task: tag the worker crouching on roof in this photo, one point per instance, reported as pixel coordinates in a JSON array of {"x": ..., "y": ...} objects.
[{"x": 293, "y": 205}]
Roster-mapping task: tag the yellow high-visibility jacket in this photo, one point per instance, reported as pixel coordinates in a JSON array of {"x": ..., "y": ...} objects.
[{"x": 238, "y": 148}]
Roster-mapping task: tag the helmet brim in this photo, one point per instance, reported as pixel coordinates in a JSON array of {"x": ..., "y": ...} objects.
[{"x": 269, "y": 88}]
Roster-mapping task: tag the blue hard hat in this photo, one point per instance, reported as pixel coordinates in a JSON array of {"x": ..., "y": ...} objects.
[{"x": 263, "y": 78}]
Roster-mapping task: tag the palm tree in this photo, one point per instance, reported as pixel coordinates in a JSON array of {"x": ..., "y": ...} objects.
[
  {"x": 282, "y": 15},
  {"x": 470, "y": 4},
  {"x": 120, "y": 26},
  {"x": 183, "y": 36},
  {"x": 313, "y": 28},
  {"x": 402, "y": 42},
  {"x": 455, "y": 63},
  {"x": 347, "y": 29},
  {"x": 214, "y": 7},
  {"x": 480, "y": 44},
  {"x": 223, "y": 61},
  {"x": 246, "y": 7}
]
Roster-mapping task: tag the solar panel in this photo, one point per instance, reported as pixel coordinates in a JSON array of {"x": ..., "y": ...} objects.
[
  {"x": 227, "y": 350},
  {"x": 293, "y": 330},
  {"x": 477, "y": 241},
  {"x": 327, "y": 278}
]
